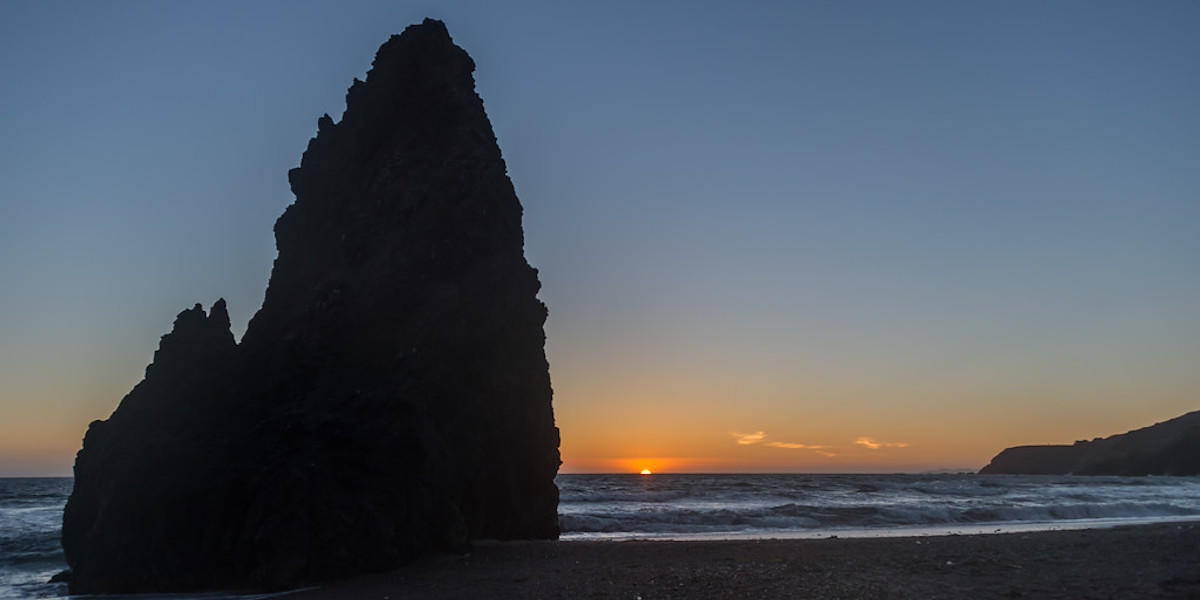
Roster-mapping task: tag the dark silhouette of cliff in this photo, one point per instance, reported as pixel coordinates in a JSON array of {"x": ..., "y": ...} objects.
[
  {"x": 1168, "y": 448},
  {"x": 391, "y": 396}
]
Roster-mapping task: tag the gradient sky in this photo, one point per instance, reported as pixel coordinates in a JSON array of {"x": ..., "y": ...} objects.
[{"x": 811, "y": 228}]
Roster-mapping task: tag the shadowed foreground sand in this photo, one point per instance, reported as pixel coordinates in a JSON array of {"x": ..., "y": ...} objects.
[{"x": 1154, "y": 561}]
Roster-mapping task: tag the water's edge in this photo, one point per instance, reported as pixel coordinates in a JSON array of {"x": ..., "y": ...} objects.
[{"x": 893, "y": 532}]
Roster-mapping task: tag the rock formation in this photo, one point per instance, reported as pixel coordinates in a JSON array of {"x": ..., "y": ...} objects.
[
  {"x": 390, "y": 397},
  {"x": 1168, "y": 448}
]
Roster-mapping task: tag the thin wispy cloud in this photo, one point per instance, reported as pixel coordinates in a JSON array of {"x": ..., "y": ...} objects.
[
  {"x": 794, "y": 446},
  {"x": 758, "y": 437},
  {"x": 746, "y": 439},
  {"x": 875, "y": 445},
  {"x": 826, "y": 454}
]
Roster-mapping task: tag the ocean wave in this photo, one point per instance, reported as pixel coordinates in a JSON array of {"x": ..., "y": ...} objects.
[
  {"x": 732, "y": 503},
  {"x": 30, "y": 526},
  {"x": 790, "y": 517},
  {"x": 31, "y": 547}
]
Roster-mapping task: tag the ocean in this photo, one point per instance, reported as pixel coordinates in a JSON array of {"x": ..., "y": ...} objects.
[
  {"x": 739, "y": 506},
  {"x": 30, "y": 527},
  {"x": 667, "y": 506}
]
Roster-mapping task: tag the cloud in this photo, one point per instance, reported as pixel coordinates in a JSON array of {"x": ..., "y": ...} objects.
[
  {"x": 746, "y": 439},
  {"x": 874, "y": 445},
  {"x": 826, "y": 454},
  {"x": 749, "y": 439},
  {"x": 794, "y": 446}
]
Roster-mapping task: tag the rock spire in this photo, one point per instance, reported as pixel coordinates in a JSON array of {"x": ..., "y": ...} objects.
[{"x": 391, "y": 396}]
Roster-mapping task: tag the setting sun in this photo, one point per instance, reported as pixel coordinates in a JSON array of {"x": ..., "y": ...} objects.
[
  {"x": 639, "y": 463},
  {"x": 646, "y": 472}
]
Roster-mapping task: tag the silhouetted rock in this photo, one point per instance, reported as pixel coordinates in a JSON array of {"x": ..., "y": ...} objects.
[
  {"x": 1168, "y": 448},
  {"x": 392, "y": 395}
]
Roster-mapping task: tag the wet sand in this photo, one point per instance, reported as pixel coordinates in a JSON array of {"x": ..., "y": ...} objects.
[{"x": 1152, "y": 561}]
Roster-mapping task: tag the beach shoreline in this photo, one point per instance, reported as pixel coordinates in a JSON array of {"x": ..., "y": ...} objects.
[
  {"x": 1139, "y": 561},
  {"x": 943, "y": 529}
]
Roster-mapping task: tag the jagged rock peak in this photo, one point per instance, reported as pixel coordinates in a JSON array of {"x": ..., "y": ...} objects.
[
  {"x": 195, "y": 334},
  {"x": 422, "y": 62},
  {"x": 218, "y": 316}
]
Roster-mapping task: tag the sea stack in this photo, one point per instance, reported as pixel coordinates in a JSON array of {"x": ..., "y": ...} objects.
[{"x": 392, "y": 395}]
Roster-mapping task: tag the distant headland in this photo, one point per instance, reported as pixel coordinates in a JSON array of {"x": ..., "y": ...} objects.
[{"x": 1168, "y": 448}]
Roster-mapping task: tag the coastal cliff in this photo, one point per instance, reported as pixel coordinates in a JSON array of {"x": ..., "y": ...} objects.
[
  {"x": 1168, "y": 448},
  {"x": 392, "y": 395}
]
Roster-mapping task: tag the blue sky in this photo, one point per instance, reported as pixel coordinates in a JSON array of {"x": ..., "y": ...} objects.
[{"x": 960, "y": 225}]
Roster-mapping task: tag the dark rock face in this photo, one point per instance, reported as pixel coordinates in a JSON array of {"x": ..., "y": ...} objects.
[
  {"x": 392, "y": 395},
  {"x": 1168, "y": 448}
]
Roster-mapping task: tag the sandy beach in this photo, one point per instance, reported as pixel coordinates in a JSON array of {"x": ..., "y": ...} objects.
[{"x": 1153, "y": 561}]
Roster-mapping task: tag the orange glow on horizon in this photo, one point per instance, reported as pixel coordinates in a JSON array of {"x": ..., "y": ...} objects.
[
  {"x": 645, "y": 466},
  {"x": 764, "y": 459}
]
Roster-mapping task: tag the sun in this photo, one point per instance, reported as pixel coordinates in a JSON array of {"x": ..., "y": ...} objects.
[{"x": 646, "y": 472}]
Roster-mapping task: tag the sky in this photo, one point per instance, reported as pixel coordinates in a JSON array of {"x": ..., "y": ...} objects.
[{"x": 772, "y": 236}]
